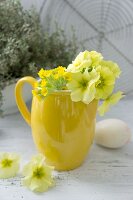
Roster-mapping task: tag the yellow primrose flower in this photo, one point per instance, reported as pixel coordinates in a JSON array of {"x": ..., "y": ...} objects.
[
  {"x": 112, "y": 66},
  {"x": 59, "y": 72},
  {"x": 112, "y": 100},
  {"x": 43, "y": 83},
  {"x": 82, "y": 86},
  {"x": 40, "y": 87},
  {"x": 60, "y": 69},
  {"x": 44, "y": 91},
  {"x": 38, "y": 175},
  {"x": 36, "y": 84},
  {"x": 9, "y": 165},
  {"x": 83, "y": 60},
  {"x": 105, "y": 84},
  {"x": 44, "y": 73},
  {"x": 68, "y": 76},
  {"x": 34, "y": 92}
]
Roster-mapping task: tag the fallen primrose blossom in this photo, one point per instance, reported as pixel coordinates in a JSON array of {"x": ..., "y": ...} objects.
[
  {"x": 38, "y": 175},
  {"x": 9, "y": 165}
]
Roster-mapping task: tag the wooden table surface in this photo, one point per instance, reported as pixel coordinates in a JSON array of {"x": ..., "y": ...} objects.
[{"x": 106, "y": 174}]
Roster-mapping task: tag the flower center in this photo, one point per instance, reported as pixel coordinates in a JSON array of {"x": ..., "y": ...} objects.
[
  {"x": 89, "y": 69},
  {"x": 38, "y": 172},
  {"x": 83, "y": 83},
  {"x": 6, "y": 162}
]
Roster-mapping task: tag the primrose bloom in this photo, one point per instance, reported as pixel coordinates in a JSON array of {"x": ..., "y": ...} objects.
[
  {"x": 110, "y": 101},
  {"x": 112, "y": 67},
  {"x": 88, "y": 77},
  {"x": 82, "y": 86},
  {"x": 60, "y": 70},
  {"x": 105, "y": 84},
  {"x": 35, "y": 93},
  {"x": 44, "y": 73},
  {"x": 44, "y": 91},
  {"x": 43, "y": 83},
  {"x": 9, "y": 165},
  {"x": 85, "y": 60},
  {"x": 38, "y": 175}
]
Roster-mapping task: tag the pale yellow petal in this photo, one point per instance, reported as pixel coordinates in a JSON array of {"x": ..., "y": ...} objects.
[
  {"x": 76, "y": 95},
  {"x": 9, "y": 172},
  {"x": 112, "y": 100},
  {"x": 40, "y": 185},
  {"x": 112, "y": 66},
  {"x": 103, "y": 93},
  {"x": 116, "y": 97},
  {"x": 72, "y": 85},
  {"x": 27, "y": 169},
  {"x": 70, "y": 68},
  {"x": 89, "y": 94},
  {"x": 85, "y": 64},
  {"x": 26, "y": 181},
  {"x": 107, "y": 91},
  {"x": 39, "y": 158},
  {"x": 103, "y": 108}
]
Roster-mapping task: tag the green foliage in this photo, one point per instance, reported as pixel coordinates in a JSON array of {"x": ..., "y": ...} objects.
[
  {"x": 20, "y": 39},
  {"x": 23, "y": 42}
]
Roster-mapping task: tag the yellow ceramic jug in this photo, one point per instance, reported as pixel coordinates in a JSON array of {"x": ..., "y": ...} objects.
[{"x": 63, "y": 130}]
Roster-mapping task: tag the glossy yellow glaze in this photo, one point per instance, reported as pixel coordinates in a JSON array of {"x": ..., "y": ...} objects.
[{"x": 62, "y": 130}]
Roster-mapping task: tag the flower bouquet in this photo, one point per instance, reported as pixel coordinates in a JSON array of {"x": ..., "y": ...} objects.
[{"x": 88, "y": 77}]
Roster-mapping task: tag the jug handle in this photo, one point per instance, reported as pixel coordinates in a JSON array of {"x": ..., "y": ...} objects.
[{"x": 19, "y": 99}]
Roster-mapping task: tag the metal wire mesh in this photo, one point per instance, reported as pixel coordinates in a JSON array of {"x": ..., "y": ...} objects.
[{"x": 102, "y": 25}]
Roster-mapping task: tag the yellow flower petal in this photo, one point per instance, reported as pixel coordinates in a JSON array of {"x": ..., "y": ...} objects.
[
  {"x": 103, "y": 108},
  {"x": 112, "y": 66},
  {"x": 43, "y": 83},
  {"x": 89, "y": 94},
  {"x": 37, "y": 186},
  {"x": 44, "y": 92},
  {"x": 112, "y": 100},
  {"x": 105, "y": 84},
  {"x": 96, "y": 57},
  {"x": 38, "y": 158},
  {"x": 44, "y": 73},
  {"x": 104, "y": 92},
  {"x": 115, "y": 97},
  {"x": 76, "y": 95},
  {"x": 82, "y": 86}
]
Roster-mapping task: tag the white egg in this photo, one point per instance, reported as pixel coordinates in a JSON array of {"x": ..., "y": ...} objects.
[{"x": 112, "y": 133}]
